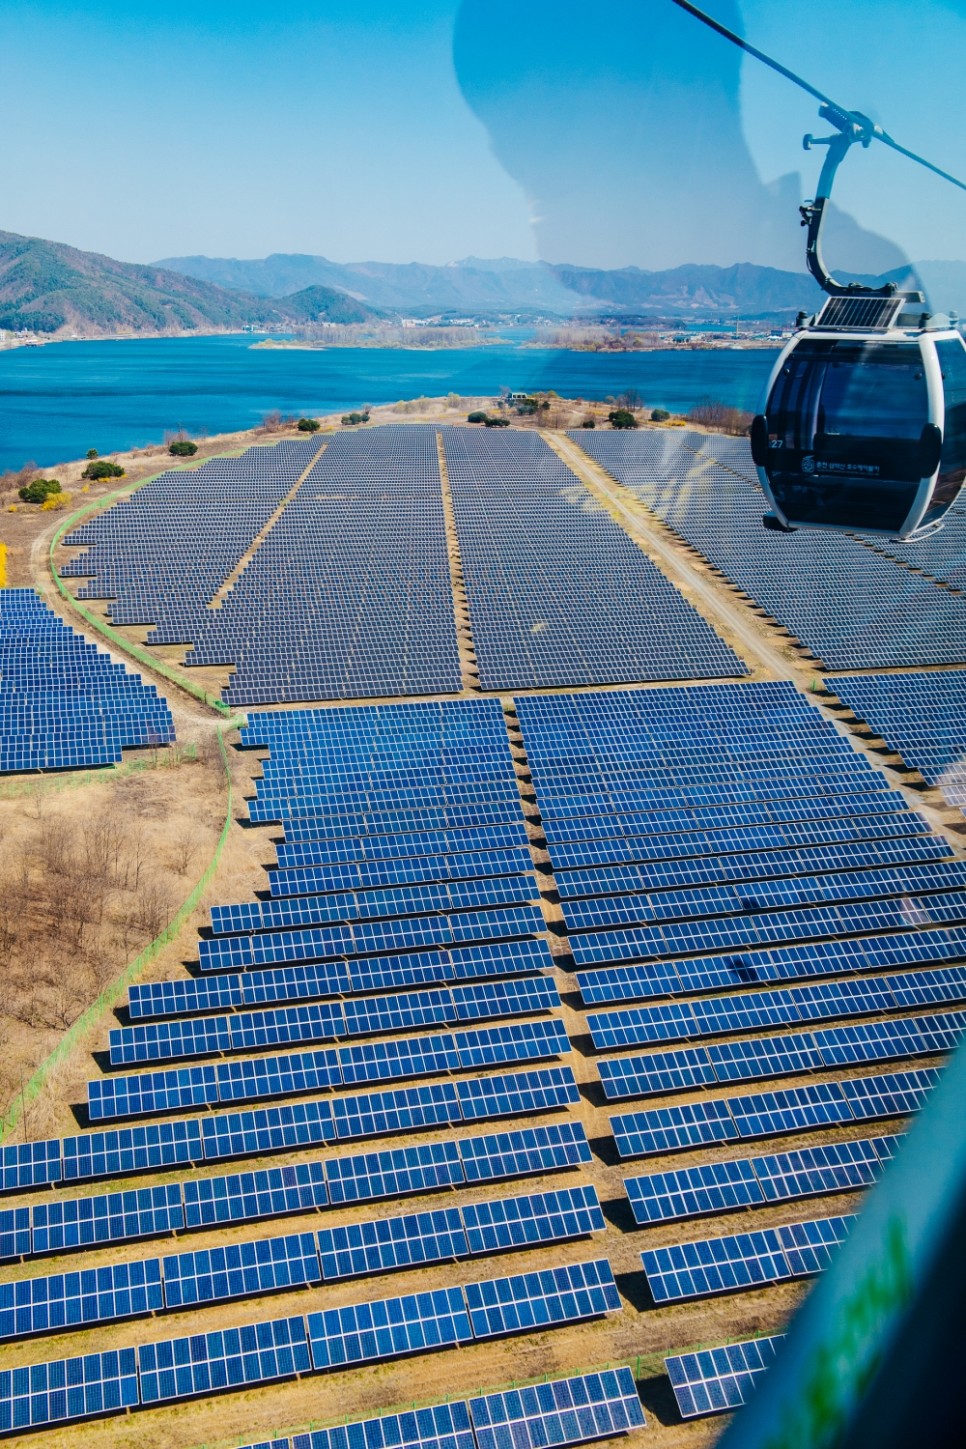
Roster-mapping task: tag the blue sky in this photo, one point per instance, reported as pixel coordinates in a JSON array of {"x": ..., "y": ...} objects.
[{"x": 617, "y": 135}]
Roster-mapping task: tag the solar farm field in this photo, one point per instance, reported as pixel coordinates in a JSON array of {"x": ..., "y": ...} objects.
[{"x": 571, "y": 962}]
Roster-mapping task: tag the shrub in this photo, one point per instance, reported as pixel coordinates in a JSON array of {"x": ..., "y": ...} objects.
[
  {"x": 659, "y": 415},
  {"x": 40, "y": 490},
  {"x": 352, "y": 420},
  {"x": 588, "y": 423},
  {"x": 308, "y": 425},
  {"x": 182, "y": 448},
  {"x": 477, "y": 417},
  {"x": 91, "y": 454},
  {"x": 622, "y": 418},
  {"x": 720, "y": 417},
  {"x": 100, "y": 469},
  {"x": 54, "y": 500},
  {"x": 496, "y": 422}
]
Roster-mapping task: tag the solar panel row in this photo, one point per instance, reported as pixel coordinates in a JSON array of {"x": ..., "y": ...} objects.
[
  {"x": 563, "y": 1411},
  {"x": 726, "y": 1186},
  {"x": 764, "y": 1114},
  {"x": 681, "y": 1271},
  {"x": 66, "y": 1224},
  {"x": 264, "y": 1352},
  {"x": 109, "y": 1098},
  {"x": 789, "y": 1006},
  {"x": 328, "y": 1021},
  {"x": 62, "y": 1301},
  {"x": 924, "y": 946},
  {"x": 717, "y": 1380},
  {"x": 185, "y": 996},
  {"x": 755, "y": 1058}
]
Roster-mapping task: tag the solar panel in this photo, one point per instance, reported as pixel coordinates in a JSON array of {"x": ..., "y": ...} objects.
[
  {"x": 67, "y": 1300},
  {"x": 14, "y": 1233},
  {"x": 564, "y": 1411},
  {"x": 515, "y": 1092},
  {"x": 743, "y": 1260},
  {"x": 385, "y": 1328},
  {"x": 205, "y": 1363},
  {"x": 717, "y": 1380},
  {"x": 517, "y": 1222},
  {"x": 269, "y": 1192},
  {"x": 379, "y": 1245},
  {"x": 393, "y": 1173},
  {"x": 524, "y": 1152},
  {"x": 714, "y": 1265},
  {"x": 240, "y": 1270},
  {"x": 690, "y": 1191},
  {"x": 564, "y": 1294},
  {"x": 68, "y": 1388},
  {"x": 831, "y": 1167},
  {"x": 444, "y": 1426}
]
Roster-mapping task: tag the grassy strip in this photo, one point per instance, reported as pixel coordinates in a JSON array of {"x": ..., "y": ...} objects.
[{"x": 109, "y": 997}]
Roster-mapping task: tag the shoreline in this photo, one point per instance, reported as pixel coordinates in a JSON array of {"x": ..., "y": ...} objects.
[{"x": 267, "y": 343}]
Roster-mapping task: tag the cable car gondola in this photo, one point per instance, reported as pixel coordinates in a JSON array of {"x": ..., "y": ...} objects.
[{"x": 862, "y": 425}]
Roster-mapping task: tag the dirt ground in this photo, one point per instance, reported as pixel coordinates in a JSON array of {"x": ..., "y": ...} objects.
[{"x": 121, "y": 847}]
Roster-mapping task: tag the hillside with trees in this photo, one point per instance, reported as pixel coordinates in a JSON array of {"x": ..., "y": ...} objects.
[{"x": 51, "y": 288}]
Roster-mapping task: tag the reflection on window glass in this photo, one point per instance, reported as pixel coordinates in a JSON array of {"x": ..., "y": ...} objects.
[{"x": 850, "y": 390}]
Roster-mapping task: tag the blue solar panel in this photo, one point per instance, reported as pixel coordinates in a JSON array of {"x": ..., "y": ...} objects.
[
  {"x": 393, "y": 1173},
  {"x": 717, "y": 1380},
  {"x": 270, "y": 1192},
  {"x": 367, "y": 1332},
  {"x": 444, "y": 1426},
  {"x": 68, "y": 1300},
  {"x": 240, "y": 1270},
  {"x": 690, "y": 1191},
  {"x": 130, "y": 1149},
  {"x": 68, "y": 1388},
  {"x": 29, "y": 1164},
  {"x": 564, "y": 1294},
  {"x": 564, "y": 1411},
  {"x": 502, "y": 1096},
  {"x": 744, "y": 1260},
  {"x": 179, "y": 1368},
  {"x": 526, "y": 1151},
  {"x": 382, "y": 1244},
  {"x": 14, "y": 1233},
  {"x": 517, "y": 1222}
]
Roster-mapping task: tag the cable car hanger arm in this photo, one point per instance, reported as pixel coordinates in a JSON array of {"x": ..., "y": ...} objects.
[{"x": 850, "y": 126}]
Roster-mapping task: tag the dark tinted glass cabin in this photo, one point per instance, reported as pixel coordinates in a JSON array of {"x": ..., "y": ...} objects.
[
  {"x": 844, "y": 424},
  {"x": 952, "y": 468}
]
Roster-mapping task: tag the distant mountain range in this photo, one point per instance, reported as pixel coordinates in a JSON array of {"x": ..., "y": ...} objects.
[
  {"x": 48, "y": 287},
  {"x": 52, "y": 288},
  {"x": 506, "y": 285}
]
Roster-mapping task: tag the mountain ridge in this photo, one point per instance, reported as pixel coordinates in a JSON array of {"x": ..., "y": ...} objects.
[
  {"x": 562, "y": 289},
  {"x": 53, "y": 288}
]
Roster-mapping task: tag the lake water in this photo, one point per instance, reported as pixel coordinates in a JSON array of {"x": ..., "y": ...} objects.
[{"x": 57, "y": 401}]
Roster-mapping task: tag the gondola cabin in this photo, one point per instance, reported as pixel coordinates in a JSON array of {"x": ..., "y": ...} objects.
[{"x": 863, "y": 426}]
